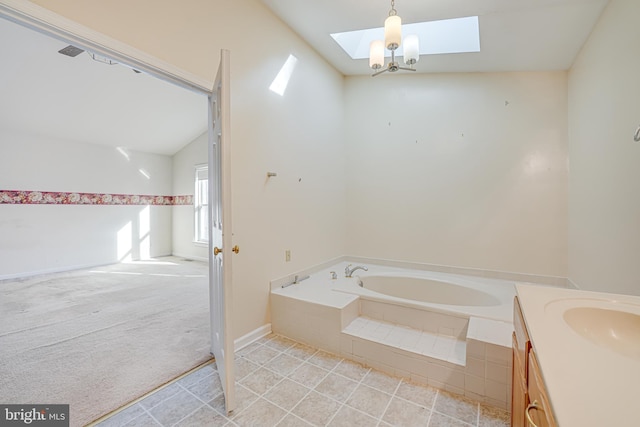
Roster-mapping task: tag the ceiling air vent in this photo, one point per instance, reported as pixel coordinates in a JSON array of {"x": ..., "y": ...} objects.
[{"x": 71, "y": 51}]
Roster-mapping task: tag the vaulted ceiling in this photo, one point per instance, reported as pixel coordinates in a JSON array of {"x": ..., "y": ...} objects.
[
  {"x": 515, "y": 35},
  {"x": 81, "y": 99}
]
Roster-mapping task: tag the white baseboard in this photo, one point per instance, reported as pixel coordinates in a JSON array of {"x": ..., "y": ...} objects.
[{"x": 252, "y": 336}]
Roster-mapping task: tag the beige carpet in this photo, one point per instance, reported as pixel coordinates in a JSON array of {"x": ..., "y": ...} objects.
[{"x": 97, "y": 339}]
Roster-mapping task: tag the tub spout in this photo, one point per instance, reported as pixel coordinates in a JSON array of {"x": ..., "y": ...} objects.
[{"x": 348, "y": 271}]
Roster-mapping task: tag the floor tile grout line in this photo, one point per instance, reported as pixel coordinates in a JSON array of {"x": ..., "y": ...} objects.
[
  {"x": 284, "y": 377},
  {"x": 343, "y": 404},
  {"x": 188, "y": 391},
  {"x": 232, "y": 417},
  {"x": 150, "y": 414},
  {"x": 302, "y": 363},
  {"x": 311, "y": 390},
  {"x": 331, "y": 371},
  {"x": 200, "y": 380},
  {"x": 289, "y": 412},
  {"x": 439, "y": 391},
  {"x": 251, "y": 404},
  {"x": 466, "y": 424},
  {"x": 148, "y": 411},
  {"x": 194, "y": 395},
  {"x": 386, "y": 408},
  {"x": 163, "y": 400},
  {"x": 190, "y": 413},
  {"x": 360, "y": 382},
  {"x": 205, "y": 403},
  {"x": 433, "y": 406},
  {"x": 265, "y": 367},
  {"x": 144, "y": 411}
]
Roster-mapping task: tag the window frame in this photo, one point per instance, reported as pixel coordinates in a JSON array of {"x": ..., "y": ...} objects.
[{"x": 200, "y": 208}]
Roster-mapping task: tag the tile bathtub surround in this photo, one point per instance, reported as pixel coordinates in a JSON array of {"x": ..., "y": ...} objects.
[
  {"x": 284, "y": 383},
  {"x": 474, "y": 368}
]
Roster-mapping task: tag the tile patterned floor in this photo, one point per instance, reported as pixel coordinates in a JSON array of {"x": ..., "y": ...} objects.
[{"x": 284, "y": 383}]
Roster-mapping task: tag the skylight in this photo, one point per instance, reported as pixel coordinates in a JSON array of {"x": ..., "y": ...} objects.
[{"x": 458, "y": 35}]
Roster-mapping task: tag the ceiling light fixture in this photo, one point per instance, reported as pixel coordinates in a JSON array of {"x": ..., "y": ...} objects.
[{"x": 392, "y": 40}]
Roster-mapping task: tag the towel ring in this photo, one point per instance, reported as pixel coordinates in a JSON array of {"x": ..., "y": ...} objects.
[{"x": 636, "y": 137}]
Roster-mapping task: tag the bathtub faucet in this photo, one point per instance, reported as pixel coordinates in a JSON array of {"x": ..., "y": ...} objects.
[{"x": 348, "y": 271}]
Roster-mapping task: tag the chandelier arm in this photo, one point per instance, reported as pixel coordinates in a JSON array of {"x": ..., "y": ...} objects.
[
  {"x": 406, "y": 69},
  {"x": 379, "y": 72}
]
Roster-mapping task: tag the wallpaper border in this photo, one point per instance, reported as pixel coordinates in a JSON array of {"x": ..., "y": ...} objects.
[{"x": 13, "y": 197}]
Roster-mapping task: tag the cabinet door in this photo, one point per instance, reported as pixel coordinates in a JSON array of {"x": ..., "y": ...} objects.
[
  {"x": 539, "y": 410},
  {"x": 522, "y": 343},
  {"x": 519, "y": 400}
]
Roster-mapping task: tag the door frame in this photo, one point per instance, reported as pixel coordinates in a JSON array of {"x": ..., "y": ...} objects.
[
  {"x": 45, "y": 21},
  {"x": 50, "y": 23}
]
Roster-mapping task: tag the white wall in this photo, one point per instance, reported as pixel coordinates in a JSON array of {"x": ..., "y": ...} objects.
[
  {"x": 442, "y": 170},
  {"x": 604, "y": 112},
  {"x": 184, "y": 163},
  {"x": 351, "y": 176},
  {"x": 41, "y": 238},
  {"x": 299, "y": 135}
]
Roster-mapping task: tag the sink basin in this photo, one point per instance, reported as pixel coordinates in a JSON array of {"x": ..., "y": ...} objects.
[{"x": 616, "y": 330}]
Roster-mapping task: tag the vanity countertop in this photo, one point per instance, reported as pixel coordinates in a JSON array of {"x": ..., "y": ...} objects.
[{"x": 588, "y": 348}]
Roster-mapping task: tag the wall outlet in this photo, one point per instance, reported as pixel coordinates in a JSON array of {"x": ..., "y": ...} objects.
[{"x": 287, "y": 255}]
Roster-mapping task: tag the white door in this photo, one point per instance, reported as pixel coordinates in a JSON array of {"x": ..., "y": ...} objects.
[{"x": 220, "y": 237}]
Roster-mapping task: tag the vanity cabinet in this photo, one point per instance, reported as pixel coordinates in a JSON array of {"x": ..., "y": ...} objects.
[{"x": 529, "y": 401}]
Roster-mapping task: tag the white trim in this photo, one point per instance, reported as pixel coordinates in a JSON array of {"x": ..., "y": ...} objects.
[
  {"x": 252, "y": 336},
  {"x": 47, "y": 22},
  {"x": 198, "y": 210}
]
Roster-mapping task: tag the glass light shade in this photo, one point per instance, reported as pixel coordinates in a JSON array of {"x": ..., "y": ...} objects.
[
  {"x": 411, "y": 47},
  {"x": 392, "y": 32},
  {"x": 376, "y": 54}
]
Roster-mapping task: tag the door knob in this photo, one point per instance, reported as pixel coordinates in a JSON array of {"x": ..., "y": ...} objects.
[{"x": 217, "y": 250}]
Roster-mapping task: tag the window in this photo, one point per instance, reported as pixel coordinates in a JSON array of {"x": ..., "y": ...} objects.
[
  {"x": 445, "y": 36},
  {"x": 201, "y": 205}
]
